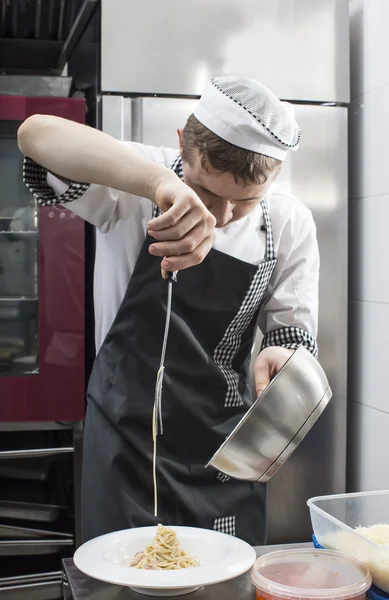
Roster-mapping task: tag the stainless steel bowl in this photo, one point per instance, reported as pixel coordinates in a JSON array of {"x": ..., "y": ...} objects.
[{"x": 277, "y": 422}]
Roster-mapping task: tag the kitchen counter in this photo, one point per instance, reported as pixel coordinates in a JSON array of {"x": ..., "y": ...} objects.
[{"x": 77, "y": 586}]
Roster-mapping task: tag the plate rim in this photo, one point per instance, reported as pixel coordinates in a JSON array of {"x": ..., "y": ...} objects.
[{"x": 180, "y": 529}]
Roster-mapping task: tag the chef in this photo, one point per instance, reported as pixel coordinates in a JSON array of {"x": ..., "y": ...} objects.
[{"x": 246, "y": 256}]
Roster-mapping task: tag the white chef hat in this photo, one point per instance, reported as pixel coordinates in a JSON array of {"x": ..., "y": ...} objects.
[{"x": 247, "y": 114}]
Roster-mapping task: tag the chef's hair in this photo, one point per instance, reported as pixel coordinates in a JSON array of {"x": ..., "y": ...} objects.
[{"x": 244, "y": 165}]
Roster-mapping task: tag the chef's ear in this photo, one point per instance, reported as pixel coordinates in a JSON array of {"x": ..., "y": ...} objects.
[{"x": 179, "y": 133}]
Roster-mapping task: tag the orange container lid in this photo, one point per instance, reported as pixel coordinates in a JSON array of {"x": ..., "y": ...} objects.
[{"x": 310, "y": 573}]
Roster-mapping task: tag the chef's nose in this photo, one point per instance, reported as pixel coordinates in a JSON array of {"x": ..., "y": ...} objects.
[{"x": 222, "y": 211}]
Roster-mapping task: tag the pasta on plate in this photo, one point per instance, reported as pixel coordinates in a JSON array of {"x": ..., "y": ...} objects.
[{"x": 164, "y": 553}]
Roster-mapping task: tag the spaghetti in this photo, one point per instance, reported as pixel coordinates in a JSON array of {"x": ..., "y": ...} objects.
[{"x": 164, "y": 553}]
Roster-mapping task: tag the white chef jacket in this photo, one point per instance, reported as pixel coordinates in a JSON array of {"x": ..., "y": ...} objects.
[{"x": 121, "y": 223}]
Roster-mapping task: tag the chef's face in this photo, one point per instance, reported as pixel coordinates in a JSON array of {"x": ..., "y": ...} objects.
[{"x": 226, "y": 199}]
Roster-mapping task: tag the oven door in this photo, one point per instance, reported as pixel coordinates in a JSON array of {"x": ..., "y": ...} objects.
[{"x": 41, "y": 285}]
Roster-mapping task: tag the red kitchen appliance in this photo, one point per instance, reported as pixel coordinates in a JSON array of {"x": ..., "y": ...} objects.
[{"x": 42, "y": 255}]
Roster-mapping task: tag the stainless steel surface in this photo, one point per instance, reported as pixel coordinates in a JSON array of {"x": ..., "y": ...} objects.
[
  {"x": 136, "y": 119},
  {"x": 184, "y": 44},
  {"x": 277, "y": 421},
  {"x": 34, "y": 578},
  {"x": 116, "y": 117},
  {"x": 44, "y": 590},
  {"x": 34, "y": 452},
  {"x": 45, "y": 513},
  {"x": 33, "y": 547},
  {"x": 30, "y": 85},
  {"x": 80, "y": 587},
  {"x": 26, "y": 533},
  {"x": 161, "y": 118},
  {"x": 316, "y": 175}
]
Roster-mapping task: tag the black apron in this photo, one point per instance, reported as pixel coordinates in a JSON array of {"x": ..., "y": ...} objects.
[{"x": 205, "y": 393}]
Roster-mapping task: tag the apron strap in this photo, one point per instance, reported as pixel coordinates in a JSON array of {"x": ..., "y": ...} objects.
[
  {"x": 270, "y": 251},
  {"x": 176, "y": 166}
]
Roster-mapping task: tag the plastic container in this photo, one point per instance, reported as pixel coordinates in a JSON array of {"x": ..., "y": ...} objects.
[
  {"x": 309, "y": 575},
  {"x": 374, "y": 593},
  {"x": 335, "y": 519}
]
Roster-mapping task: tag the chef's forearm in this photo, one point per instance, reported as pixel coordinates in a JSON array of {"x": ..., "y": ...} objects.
[{"x": 80, "y": 153}]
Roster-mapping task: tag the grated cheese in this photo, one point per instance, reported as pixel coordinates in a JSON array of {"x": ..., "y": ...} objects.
[
  {"x": 376, "y": 558},
  {"x": 379, "y": 534}
]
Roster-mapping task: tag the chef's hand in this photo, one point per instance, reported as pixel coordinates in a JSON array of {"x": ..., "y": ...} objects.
[
  {"x": 185, "y": 230},
  {"x": 267, "y": 365}
]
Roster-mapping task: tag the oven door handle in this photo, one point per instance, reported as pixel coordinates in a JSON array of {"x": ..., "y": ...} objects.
[{"x": 35, "y": 452}]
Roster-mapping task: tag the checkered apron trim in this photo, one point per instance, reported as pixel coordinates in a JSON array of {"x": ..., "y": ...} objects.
[
  {"x": 229, "y": 345},
  {"x": 225, "y": 525},
  {"x": 222, "y": 477}
]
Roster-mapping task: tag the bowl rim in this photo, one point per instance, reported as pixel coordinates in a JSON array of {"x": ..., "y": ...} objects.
[{"x": 301, "y": 433}]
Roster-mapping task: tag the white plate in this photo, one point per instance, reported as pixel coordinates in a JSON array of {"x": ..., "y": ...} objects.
[{"x": 222, "y": 557}]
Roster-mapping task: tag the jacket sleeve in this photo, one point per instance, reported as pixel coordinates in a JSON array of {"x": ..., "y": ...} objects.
[
  {"x": 289, "y": 315},
  {"x": 99, "y": 205}
]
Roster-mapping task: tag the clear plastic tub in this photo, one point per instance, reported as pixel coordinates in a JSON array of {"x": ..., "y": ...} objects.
[
  {"x": 309, "y": 575},
  {"x": 334, "y": 520}
]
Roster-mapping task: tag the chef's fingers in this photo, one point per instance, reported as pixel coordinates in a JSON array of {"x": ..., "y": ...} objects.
[
  {"x": 170, "y": 217},
  {"x": 262, "y": 375},
  {"x": 184, "y": 205},
  {"x": 268, "y": 363},
  {"x": 189, "y": 244},
  {"x": 190, "y": 259},
  {"x": 261, "y": 385},
  {"x": 163, "y": 273},
  {"x": 183, "y": 227}
]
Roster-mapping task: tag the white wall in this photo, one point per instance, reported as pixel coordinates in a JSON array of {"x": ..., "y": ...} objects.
[{"x": 369, "y": 247}]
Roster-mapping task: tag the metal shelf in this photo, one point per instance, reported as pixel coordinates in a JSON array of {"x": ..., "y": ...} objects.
[
  {"x": 18, "y": 299},
  {"x": 13, "y": 232},
  {"x": 35, "y": 452}
]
